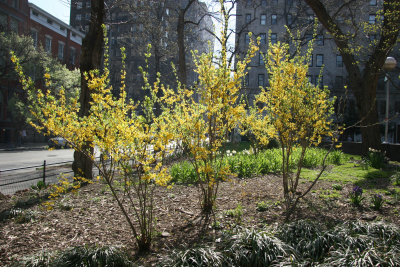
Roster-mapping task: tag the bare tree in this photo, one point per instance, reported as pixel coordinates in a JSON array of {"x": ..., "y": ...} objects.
[{"x": 364, "y": 47}]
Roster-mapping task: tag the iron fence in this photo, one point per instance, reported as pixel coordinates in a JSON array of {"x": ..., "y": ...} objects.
[{"x": 16, "y": 179}]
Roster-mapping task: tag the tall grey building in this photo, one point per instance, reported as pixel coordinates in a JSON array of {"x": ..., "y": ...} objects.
[
  {"x": 135, "y": 24},
  {"x": 269, "y": 20}
]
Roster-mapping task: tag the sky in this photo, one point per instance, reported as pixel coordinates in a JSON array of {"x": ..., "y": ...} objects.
[
  {"x": 57, "y": 8},
  {"x": 61, "y": 9}
]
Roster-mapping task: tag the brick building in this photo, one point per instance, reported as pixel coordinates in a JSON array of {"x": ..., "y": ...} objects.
[
  {"x": 268, "y": 20},
  {"x": 56, "y": 37}
]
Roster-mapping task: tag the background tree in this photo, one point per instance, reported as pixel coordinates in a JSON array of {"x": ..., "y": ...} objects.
[
  {"x": 91, "y": 59},
  {"x": 36, "y": 62},
  {"x": 190, "y": 26},
  {"x": 364, "y": 48}
]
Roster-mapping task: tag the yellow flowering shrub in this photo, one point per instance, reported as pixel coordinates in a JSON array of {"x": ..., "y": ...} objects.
[
  {"x": 296, "y": 112},
  {"x": 132, "y": 147},
  {"x": 204, "y": 115}
]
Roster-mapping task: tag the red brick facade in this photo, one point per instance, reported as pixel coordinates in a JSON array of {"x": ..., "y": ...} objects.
[{"x": 56, "y": 37}]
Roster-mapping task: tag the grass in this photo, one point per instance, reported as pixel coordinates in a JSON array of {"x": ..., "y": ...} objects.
[{"x": 349, "y": 172}]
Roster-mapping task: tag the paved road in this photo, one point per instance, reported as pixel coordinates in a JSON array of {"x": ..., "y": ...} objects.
[{"x": 19, "y": 159}]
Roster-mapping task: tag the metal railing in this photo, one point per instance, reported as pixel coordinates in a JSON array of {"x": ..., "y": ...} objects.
[{"x": 16, "y": 179}]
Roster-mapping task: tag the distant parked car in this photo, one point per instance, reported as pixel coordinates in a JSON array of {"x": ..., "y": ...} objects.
[{"x": 58, "y": 142}]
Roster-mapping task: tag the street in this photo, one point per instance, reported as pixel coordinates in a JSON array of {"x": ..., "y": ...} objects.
[{"x": 20, "y": 159}]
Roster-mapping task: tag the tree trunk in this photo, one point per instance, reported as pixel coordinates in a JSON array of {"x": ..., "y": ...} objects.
[
  {"x": 366, "y": 103},
  {"x": 181, "y": 47},
  {"x": 91, "y": 57}
]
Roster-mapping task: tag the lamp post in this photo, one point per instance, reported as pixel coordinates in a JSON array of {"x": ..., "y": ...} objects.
[{"x": 390, "y": 64}]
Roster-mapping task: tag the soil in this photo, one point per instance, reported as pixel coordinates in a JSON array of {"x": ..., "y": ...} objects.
[{"x": 92, "y": 217}]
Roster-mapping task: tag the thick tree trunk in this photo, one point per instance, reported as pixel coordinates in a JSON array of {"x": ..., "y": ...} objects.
[
  {"x": 91, "y": 56},
  {"x": 365, "y": 94}
]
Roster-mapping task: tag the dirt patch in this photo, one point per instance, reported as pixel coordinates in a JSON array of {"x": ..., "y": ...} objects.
[{"x": 92, "y": 217}]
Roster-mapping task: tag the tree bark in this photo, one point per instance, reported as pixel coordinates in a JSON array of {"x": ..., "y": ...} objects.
[
  {"x": 91, "y": 58},
  {"x": 363, "y": 79},
  {"x": 181, "y": 47}
]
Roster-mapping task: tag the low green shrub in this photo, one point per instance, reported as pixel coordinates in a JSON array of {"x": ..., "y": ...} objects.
[
  {"x": 82, "y": 256},
  {"x": 183, "y": 173},
  {"x": 246, "y": 164},
  {"x": 377, "y": 201},
  {"x": 375, "y": 159},
  {"x": 249, "y": 247},
  {"x": 300, "y": 243},
  {"x": 201, "y": 256}
]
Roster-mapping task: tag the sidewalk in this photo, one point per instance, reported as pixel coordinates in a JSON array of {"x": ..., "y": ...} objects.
[{"x": 23, "y": 147}]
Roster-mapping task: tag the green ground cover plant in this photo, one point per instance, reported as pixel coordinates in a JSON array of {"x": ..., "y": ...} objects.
[
  {"x": 245, "y": 164},
  {"x": 300, "y": 243}
]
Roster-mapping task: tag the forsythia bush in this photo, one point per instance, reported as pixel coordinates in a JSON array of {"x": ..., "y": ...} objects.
[
  {"x": 295, "y": 111},
  {"x": 204, "y": 115},
  {"x": 131, "y": 146}
]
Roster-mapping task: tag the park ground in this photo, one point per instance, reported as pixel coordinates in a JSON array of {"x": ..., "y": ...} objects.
[{"x": 90, "y": 216}]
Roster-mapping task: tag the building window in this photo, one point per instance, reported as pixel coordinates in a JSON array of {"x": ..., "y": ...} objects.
[
  {"x": 61, "y": 50},
  {"x": 263, "y": 2},
  {"x": 34, "y": 35},
  {"x": 274, "y": 19},
  {"x": 339, "y": 61},
  {"x": 274, "y": 38},
  {"x": 248, "y": 18},
  {"x": 167, "y": 11},
  {"x": 87, "y": 16},
  {"x": 47, "y": 44},
  {"x": 78, "y": 17},
  {"x": 72, "y": 56},
  {"x": 89, "y": 4},
  {"x": 289, "y": 19},
  {"x": 289, "y": 3},
  {"x": 311, "y": 62},
  {"x": 320, "y": 39},
  {"x": 261, "y": 79},
  {"x": 263, "y": 19},
  {"x": 372, "y": 2},
  {"x": 79, "y": 5},
  {"x": 320, "y": 60},
  {"x": 248, "y": 2},
  {"x": 310, "y": 19},
  {"x": 372, "y": 19},
  {"x": 275, "y": 2},
  {"x": 263, "y": 38},
  {"x": 247, "y": 38},
  {"x": 260, "y": 60},
  {"x": 15, "y": 4}
]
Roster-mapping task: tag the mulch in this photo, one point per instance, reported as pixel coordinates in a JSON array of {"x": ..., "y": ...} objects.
[{"x": 92, "y": 217}]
